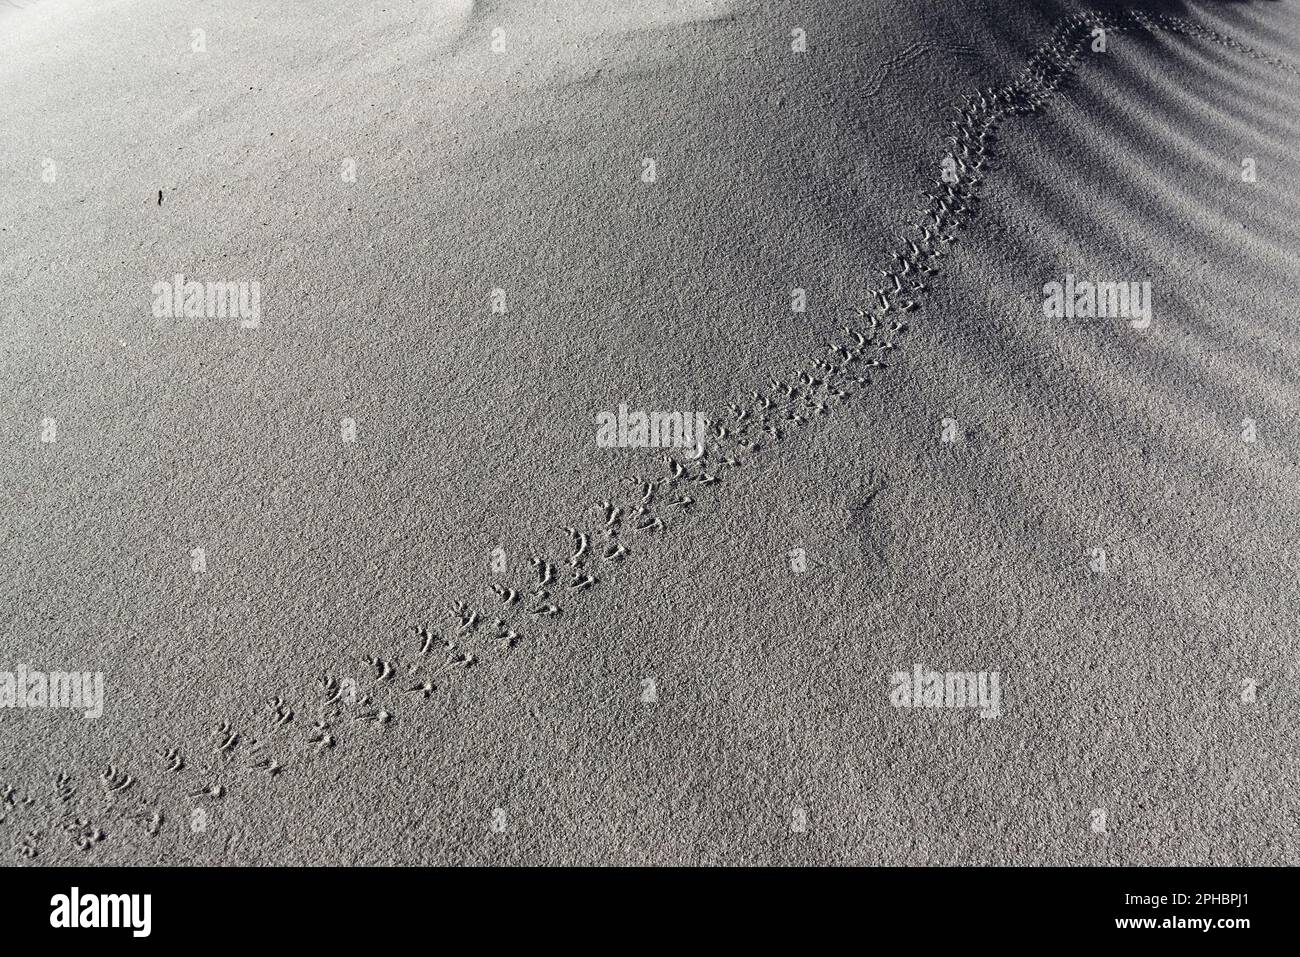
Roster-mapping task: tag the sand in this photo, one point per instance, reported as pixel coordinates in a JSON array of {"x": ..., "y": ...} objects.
[{"x": 302, "y": 554}]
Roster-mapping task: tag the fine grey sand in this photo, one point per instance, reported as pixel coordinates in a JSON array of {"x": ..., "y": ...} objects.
[{"x": 279, "y": 544}]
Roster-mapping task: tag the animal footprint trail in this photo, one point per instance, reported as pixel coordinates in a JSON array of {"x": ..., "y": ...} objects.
[
  {"x": 672, "y": 493},
  {"x": 760, "y": 423}
]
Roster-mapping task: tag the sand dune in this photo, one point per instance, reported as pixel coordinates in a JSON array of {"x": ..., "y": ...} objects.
[{"x": 364, "y": 588}]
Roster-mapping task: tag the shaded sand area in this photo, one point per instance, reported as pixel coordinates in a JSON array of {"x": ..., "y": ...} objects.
[{"x": 362, "y": 584}]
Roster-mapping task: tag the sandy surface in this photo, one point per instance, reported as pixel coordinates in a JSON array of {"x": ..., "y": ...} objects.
[{"x": 721, "y": 692}]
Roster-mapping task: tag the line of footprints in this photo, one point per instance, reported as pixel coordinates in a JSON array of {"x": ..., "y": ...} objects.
[{"x": 178, "y": 786}]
